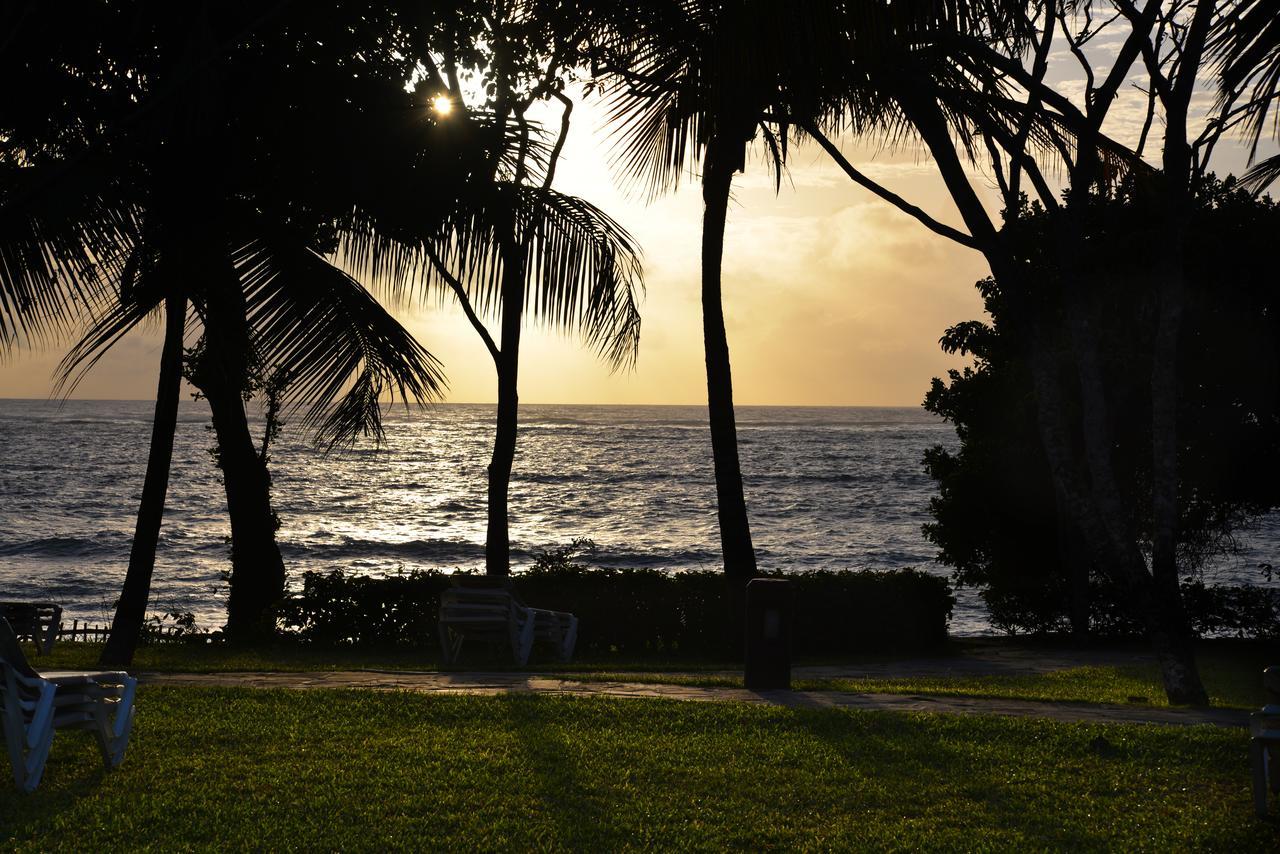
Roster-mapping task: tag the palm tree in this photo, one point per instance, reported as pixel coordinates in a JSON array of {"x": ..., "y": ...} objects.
[
  {"x": 515, "y": 248},
  {"x": 697, "y": 82},
  {"x": 163, "y": 228}
]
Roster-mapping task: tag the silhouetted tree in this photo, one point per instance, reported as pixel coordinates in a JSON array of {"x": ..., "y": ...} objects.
[
  {"x": 515, "y": 247},
  {"x": 1013, "y": 116},
  {"x": 695, "y": 84},
  {"x": 179, "y": 201},
  {"x": 996, "y": 513}
]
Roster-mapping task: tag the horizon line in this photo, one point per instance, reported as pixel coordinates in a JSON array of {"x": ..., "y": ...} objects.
[{"x": 401, "y": 404}]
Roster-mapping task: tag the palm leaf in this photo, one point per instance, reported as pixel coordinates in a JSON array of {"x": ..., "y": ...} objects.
[
  {"x": 112, "y": 316},
  {"x": 1245, "y": 45},
  {"x": 64, "y": 238},
  {"x": 339, "y": 348}
]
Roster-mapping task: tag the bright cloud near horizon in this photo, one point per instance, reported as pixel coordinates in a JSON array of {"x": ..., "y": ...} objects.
[{"x": 831, "y": 296}]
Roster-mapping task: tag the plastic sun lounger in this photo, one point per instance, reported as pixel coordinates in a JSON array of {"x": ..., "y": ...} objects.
[
  {"x": 486, "y": 610},
  {"x": 33, "y": 706},
  {"x": 37, "y": 621}
]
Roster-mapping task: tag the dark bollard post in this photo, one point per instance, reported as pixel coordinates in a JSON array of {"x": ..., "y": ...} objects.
[{"x": 768, "y": 648}]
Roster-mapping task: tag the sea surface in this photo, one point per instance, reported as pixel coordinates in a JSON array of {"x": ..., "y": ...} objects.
[{"x": 827, "y": 488}]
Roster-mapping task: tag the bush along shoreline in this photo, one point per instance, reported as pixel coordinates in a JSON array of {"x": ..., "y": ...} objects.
[{"x": 635, "y": 611}]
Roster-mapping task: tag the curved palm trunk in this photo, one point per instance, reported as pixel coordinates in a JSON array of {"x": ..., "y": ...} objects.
[
  {"x": 497, "y": 546},
  {"x": 257, "y": 569},
  {"x": 735, "y": 529},
  {"x": 257, "y": 582},
  {"x": 131, "y": 610}
]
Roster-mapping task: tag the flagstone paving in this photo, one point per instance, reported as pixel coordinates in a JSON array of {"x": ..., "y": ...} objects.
[{"x": 513, "y": 683}]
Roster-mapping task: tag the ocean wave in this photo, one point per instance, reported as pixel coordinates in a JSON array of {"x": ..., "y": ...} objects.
[
  {"x": 444, "y": 551},
  {"x": 66, "y": 547}
]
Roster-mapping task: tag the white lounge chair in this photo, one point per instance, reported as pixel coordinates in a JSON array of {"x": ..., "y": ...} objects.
[
  {"x": 34, "y": 705},
  {"x": 485, "y": 609}
]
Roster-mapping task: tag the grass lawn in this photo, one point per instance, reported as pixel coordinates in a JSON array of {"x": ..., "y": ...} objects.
[{"x": 245, "y": 768}]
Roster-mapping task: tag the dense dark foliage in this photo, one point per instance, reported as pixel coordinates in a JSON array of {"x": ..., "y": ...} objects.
[
  {"x": 635, "y": 612},
  {"x": 997, "y": 519}
]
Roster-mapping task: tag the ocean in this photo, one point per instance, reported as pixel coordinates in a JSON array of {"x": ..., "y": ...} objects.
[{"x": 827, "y": 488}]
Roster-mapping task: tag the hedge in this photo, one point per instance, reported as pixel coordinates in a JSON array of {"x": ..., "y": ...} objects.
[{"x": 636, "y": 611}]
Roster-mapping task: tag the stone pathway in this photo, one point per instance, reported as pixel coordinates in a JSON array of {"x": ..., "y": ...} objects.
[
  {"x": 514, "y": 683},
  {"x": 985, "y": 657}
]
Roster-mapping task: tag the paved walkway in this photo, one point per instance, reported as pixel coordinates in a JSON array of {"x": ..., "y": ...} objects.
[{"x": 514, "y": 683}]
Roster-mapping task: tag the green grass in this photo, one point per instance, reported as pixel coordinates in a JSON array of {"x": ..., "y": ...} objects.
[{"x": 253, "y": 769}]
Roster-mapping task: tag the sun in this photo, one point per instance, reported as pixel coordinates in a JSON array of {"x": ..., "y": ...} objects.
[{"x": 442, "y": 105}]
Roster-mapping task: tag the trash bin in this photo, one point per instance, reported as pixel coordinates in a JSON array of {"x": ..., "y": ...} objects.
[{"x": 768, "y": 648}]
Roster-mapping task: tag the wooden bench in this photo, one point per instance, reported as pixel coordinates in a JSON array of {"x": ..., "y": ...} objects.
[
  {"x": 37, "y": 622},
  {"x": 484, "y": 609},
  {"x": 34, "y": 705}
]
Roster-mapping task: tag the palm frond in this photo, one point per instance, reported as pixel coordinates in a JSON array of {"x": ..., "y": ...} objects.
[
  {"x": 111, "y": 318},
  {"x": 1245, "y": 47},
  {"x": 65, "y": 236},
  {"x": 1262, "y": 175},
  {"x": 582, "y": 271},
  {"x": 583, "y": 274},
  {"x": 339, "y": 348}
]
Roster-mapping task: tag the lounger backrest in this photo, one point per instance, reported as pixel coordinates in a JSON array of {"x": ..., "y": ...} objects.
[
  {"x": 499, "y": 583},
  {"x": 471, "y": 604}
]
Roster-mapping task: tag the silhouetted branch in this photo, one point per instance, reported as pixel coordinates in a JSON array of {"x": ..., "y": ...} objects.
[{"x": 886, "y": 194}]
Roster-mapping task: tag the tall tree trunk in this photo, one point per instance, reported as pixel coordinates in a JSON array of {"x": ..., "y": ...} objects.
[
  {"x": 1182, "y": 677},
  {"x": 735, "y": 529},
  {"x": 257, "y": 581},
  {"x": 257, "y": 569},
  {"x": 497, "y": 546},
  {"x": 131, "y": 610}
]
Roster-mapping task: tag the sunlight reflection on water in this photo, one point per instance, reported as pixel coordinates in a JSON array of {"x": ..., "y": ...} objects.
[{"x": 828, "y": 488}]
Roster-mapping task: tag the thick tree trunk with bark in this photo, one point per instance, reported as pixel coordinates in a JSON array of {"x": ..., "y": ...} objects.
[
  {"x": 257, "y": 582},
  {"x": 735, "y": 528},
  {"x": 497, "y": 546},
  {"x": 257, "y": 569},
  {"x": 131, "y": 610}
]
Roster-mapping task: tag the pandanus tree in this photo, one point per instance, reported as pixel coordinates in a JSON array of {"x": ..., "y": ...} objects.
[
  {"x": 166, "y": 201},
  {"x": 515, "y": 249}
]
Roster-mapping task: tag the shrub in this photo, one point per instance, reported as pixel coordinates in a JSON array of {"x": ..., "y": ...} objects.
[{"x": 635, "y": 612}]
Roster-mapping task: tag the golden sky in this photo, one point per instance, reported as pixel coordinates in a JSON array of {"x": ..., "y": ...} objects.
[{"x": 831, "y": 296}]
